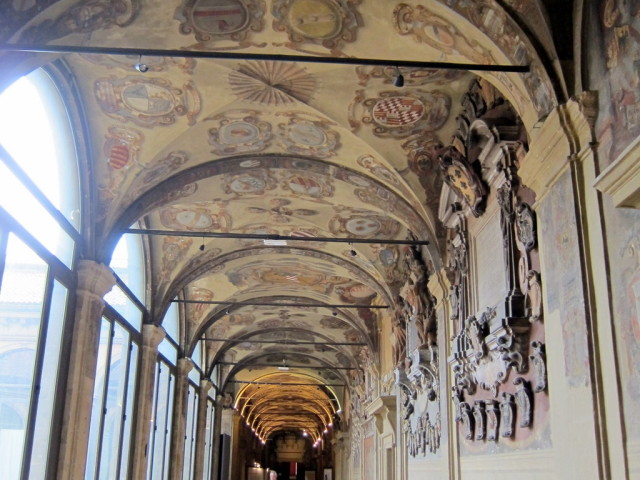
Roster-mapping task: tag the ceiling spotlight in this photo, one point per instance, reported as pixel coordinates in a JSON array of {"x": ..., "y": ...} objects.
[
  {"x": 141, "y": 67},
  {"x": 398, "y": 81},
  {"x": 283, "y": 367},
  {"x": 335, "y": 314},
  {"x": 353, "y": 253},
  {"x": 202, "y": 247}
]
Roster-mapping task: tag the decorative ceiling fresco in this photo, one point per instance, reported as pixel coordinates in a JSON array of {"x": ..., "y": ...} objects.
[{"x": 333, "y": 157}]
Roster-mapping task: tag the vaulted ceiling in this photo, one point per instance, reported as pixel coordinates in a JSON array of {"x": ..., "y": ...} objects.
[{"x": 223, "y": 152}]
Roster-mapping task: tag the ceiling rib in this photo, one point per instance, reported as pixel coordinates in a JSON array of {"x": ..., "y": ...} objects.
[
  {"x": 307, "y": 367},
  {"x": 281, "y": 384},
  {"x": 275, "y": 304},
  {"x": 271, "y": 237},
  {"x": 283, "y": 342},
  {"x": 154, "y": 52}
]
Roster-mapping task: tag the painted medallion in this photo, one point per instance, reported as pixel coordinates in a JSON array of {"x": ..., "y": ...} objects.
[
  {"x": 239, "y": 132},
  {"x": 219, "y": 16},
  {"x": 219, "y": 20},
  {"x": 317, "y": 19},
  {"x": 329, "y": 23}
]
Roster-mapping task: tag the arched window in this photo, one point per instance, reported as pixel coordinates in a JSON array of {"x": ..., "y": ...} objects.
[{"x": 39, "y": 229}]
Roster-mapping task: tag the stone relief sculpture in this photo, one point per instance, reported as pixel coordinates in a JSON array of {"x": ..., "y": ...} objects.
[
  {"x": 458, "y": 173},
  {"x": 524, "y": 401},
  {"x": 479, "y": 416},
  {"x": 507, "y": 415},
  {"x": 526, "y": 226},
  {"x": 419, "y": 300},
  {"x": 538, "y": 365},
  {"x": 416, "y": 356},
  {"x": 476, "y": 335},
  {"x": 492, "y": 352},
  {"x": 534, "y": 296},
  {"x": 467, "y": 420},
  {"x": 457, "y": 400},
  {"x": 493, "y": 419},
  {"x": 458, "y": 265},
  {"x": 399, "y": 330}
]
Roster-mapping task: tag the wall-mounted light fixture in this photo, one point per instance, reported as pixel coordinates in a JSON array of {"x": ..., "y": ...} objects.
[{"x": 398, "y": 81}]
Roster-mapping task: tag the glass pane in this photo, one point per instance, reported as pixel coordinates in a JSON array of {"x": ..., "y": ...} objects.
[
  {"x": 192, "y": 399},
  {"x": 160, "y": 424},
  {"x": 167, "y": 443},
  {"x": 98, "y": 394},
  {"x": 21, "y": 205},
  {"x": 170, "y": 322},
  {"x": 124, "y": 306},
  {"x": 196, "y": 356},
  {"x": 21, "y": 299},
  {"x": 128, "y": 422},
  {"x": 153, "y": 422},
  {"x": 208, "y": 440},
  {"x": 128, "y": 263},
  {"x": 48, "y": 381},
  {"x": 33, "y": 104},
  {"x": 116, "y": 391},
  {"x": 194, "y": 375},
  {"x": 167, "y": 349}
]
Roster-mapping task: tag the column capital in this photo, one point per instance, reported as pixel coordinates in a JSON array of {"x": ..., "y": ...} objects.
[
  {"x": 95, "y": 278},
  {"x": 152, "y": 335},
  {"x": 184, "y": 366},
  {"x": 205, "y": 386}
]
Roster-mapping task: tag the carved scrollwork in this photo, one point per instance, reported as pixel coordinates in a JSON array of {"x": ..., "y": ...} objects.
[{"x": 463, "y": 378}]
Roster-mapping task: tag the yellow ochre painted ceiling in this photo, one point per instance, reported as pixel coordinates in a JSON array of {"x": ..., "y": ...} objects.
[{"x": 297, "y": 149}]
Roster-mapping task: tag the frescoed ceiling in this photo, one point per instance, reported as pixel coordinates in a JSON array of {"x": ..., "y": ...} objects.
[{"x": 240, "y": 148}]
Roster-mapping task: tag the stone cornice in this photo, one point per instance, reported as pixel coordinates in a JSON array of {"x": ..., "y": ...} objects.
[
  {"x": 621, "y": 180},
  {"x": 565, "y": 134}
]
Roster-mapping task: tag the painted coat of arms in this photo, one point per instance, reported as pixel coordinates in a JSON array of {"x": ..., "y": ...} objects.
[
  {"x": 146, "y": 101},
  {"x": 214, "y": 20},
  {"x": 396, "y": 115}
]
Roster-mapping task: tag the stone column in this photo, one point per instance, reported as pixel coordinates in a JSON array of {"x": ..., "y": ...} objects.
[
  {"x": 94, "y": 281},
  {"x": 179, "y": 418},
  {"x": 341, "y": 455},
  {"x": 201, "y": 429},
  {"x": 217, "y": 430},
  {"x": 152, "y": 335}
]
